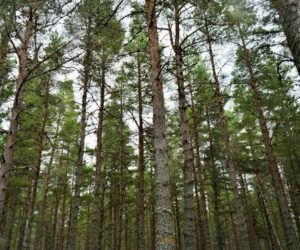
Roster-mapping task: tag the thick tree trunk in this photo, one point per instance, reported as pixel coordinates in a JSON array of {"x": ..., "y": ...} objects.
[
  {"x": 165, "y": 238},
  {"x": 6, "y": 163},
  {"x": 141, "y": 181},
  {"x": 289, "y": 12},
  {"x": 96, "y": 234},
  {"x": 243, "y": 240},
  {"x": 288, "y": 225},
  {"x": 189, "y": 230},
  {"x": 75, "y": 203}
]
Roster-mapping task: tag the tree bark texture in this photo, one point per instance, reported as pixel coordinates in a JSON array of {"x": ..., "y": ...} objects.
[{"x": 165, "y": 237}]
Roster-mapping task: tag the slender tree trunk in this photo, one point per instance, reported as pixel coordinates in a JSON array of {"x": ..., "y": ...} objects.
[
  {"x": 37, "y": 169},
  {"x": 165, "y": 238},
  {"x": 152, "y": 211},
  {"x": 120, "y": 182},
  {"x": 243, "y": 241},
  {"x": 102, "y": 211},
  {"x": 189, "y": 229},
  {"x": 9, "y": 223},
  {"x": 200, "y": 243},
  {"x": 4, "y": 52},
  {"x": 141, "y": 182},
  {"x": 54, "y": 225},
  {"x": 275, "y": 241},
  {"x": 21, "y": 229},
  {"x": 48, "y": 241},
  {"x": 289, "y": 12},
  {"x": 41, "y": 223},
  {"x": 178, "y": 227},
  {"x": 75, "y": 203},
  {"x": 6, "y": 163},
  {"x": 288, "y": 225},
  {"x": 233, "y": 232},
  {"x": 62, "y": 233},
  {"x": 96, "y": 235},
  {"x": 215, "y": 189},
  {"x": 88, "y": 228},
  {"x": 110, "y": 217},
  {"x": 292, "y": 176},
  {"x": 203, "y": 203},
  {"x": 249, "y": 215}
]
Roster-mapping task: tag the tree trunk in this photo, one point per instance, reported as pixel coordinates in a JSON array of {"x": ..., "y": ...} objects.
[
  {"x": 6, "y": 163},
  {"x": 248, "y": 213},
  {"x": 275, "y": 242},
  {"x": 289, "y": 12},
  {"x": 119, "y": 182},
  {"x": 96, "y": 234},
  {"x": 203, "y": 203},
  {"x": 243, "y": 240},
  {"x": 61, "y": 235},
  {"x": 21, "y": 229},
  {"x": 141, "y": 181},
  {"x": 41, "y": 223},
  {"x": 189, "y": 230},
  {"x": 177, "y": 219},
  {"x": 37, "y": 169},
  {"x": 9, "y": 223},
  {"x": 4, "y": 52},
  {"x": 288, "y": 225},
  {"x": 215, "y": 189},
  {"x": 75, "y": 203},
  {"x": 165, "y": 238}
]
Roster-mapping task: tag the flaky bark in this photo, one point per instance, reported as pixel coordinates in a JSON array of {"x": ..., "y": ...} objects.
[
  {"x": 289, "y": 12},
  {"x": 165, "y": 238},
  {"x": 288, "y": 225}
]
